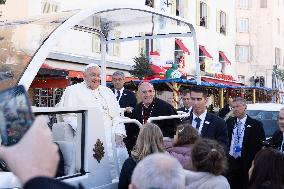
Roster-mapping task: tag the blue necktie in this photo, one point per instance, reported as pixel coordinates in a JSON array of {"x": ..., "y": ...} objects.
[
  {"x": 237, "y": 136},
  {"x": 118, "y": 95},
  {"x": 198, "y": 121}
]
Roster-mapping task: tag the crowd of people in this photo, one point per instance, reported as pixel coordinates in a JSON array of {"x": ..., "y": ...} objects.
[{"x": 201, "y": 151}]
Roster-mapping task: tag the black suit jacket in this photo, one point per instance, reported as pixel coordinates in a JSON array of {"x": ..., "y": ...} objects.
[
  {"x": 213, "y": 128},
  {"x": 161, "y": 108},
  {"x": 252, "y": 142},
  {"x": 277, "y": 139},
  {"x": 127, "y": 99},
  {"x": 223, "y": 112}
]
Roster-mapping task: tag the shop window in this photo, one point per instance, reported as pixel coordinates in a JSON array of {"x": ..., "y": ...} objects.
[{"x": 241, "y": 79}]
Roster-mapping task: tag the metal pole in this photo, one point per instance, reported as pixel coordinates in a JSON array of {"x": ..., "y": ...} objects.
[
  {"x": 196, "y": 58},
  {"x": 221, "y": 94},
  {"x": 103, "y": 62},
  {"x": 253, "y": 96}
]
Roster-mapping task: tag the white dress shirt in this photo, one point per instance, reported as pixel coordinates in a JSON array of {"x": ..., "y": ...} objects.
[
  {"x": 241, "y": 134},
  {"x": 202, "y": 117},
  {"x": 121, "y": 91}
]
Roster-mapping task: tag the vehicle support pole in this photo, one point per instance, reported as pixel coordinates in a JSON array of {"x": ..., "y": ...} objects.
[
  {"x": 253, "y": 96},
  {"x": 103, "y": 62},
  {"x": 221, "y": 94},
  {"x": 175, "y": 88}
]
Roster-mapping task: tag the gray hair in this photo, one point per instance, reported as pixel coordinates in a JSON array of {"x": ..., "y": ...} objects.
[
  {"x": 144, "y": 83},
  {"x": 240, "y": 99},
  {"x": 92, "y": 65},
  {"x": 158, "y": 171},
  {"x": 119, "y": 74}
]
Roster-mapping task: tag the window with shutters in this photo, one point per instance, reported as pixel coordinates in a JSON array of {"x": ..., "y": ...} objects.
[
  {"x": 49, "y": 7},
  {"x": 278, "y": 26},
  {"x": 96, "y": 44},
  {"x": 116, "y": 46},
  {"x": 277, "y": 56},
  {"x": 223, "y": 21},
  {"x": 263, "y": 3},
  {"x": 243, "y": 53},
  {"x": 244, "y": 25},
  {"x": 202, "y": 14},
  {"x": 243, "y": 4}
]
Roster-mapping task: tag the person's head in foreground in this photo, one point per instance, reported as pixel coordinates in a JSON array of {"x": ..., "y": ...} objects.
[
  {"x": 267, "y": 169},
  {"x": 149, "y": 141},
  {"x": 158, "y": 171},
  {"x": 185, "y": 134},
  {"x": 208, "y": 156}
]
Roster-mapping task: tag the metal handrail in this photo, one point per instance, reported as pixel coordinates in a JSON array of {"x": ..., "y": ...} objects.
[{"x": 167, "y": 117}]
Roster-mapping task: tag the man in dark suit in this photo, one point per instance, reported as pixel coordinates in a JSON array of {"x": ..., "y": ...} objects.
[
  {"x": 277, "y": 138},
  {"x": 208, "y": 125},
  {"x": 125, "y": 97},
  {"x": 245, "y": 138},
  {"x": 127, "y": 100},
  {"x": 153, "y": 107},
  {"x": 227, "y": 108},
  {"x": 186, "y": 101}
]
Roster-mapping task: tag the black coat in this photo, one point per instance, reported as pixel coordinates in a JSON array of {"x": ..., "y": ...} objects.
[
  {"x": 277, "y": 139},
  {"x": 48, "y": 183},
  {"x": 253, "y": 139},
  {"x": 127, "y": 99},
  {"x": 161, "y": 108},
  {"x": 213, "y": 128},
  {"x": 224, "y": 111},
  {"x": 126, "y": 173}
]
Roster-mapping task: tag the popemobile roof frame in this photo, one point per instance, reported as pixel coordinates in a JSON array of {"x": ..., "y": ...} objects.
[{"x": 129, "y": 17}]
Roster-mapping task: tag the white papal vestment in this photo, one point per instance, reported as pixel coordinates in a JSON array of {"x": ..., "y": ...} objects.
[{"x": 79, "y": 95}]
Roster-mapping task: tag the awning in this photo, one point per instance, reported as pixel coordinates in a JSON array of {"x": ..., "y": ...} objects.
[
  {"x": 205, "y": 52},
  {"x": 182, "y": 46},
  {"x": 77, "y": 74},
  {"x": 222, "y": 54},
  {"x": 47, "y": 70},
  {"x": 213, "y": 80}
]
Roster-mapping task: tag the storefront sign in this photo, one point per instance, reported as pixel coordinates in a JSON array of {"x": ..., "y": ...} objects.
[{"x": 223, "y": 76}]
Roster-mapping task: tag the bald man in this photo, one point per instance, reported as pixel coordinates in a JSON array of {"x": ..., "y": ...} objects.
[{"x": 151, "y": 106}]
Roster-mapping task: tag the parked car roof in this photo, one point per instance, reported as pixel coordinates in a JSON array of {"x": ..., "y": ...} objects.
[{"x": 265, "y": 106}]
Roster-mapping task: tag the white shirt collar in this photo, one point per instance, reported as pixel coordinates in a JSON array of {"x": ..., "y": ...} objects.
[
  {"x": 202, "y": 116},
  {"x": 243, "y": 120},
  {"x": 121, "y": 90}
]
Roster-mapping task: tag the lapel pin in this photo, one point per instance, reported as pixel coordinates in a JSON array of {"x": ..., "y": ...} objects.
[
  {"x": 248, "y": 126},
  {"x": 207, "y": 122}
]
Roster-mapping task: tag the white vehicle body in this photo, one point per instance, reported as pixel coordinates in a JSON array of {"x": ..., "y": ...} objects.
[{"x": 267, "y": 113}]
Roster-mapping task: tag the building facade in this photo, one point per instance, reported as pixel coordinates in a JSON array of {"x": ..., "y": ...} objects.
[{"x": 259, "y": 40}]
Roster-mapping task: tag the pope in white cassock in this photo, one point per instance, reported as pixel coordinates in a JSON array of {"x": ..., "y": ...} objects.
[{"x": 90, "y": 93}]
